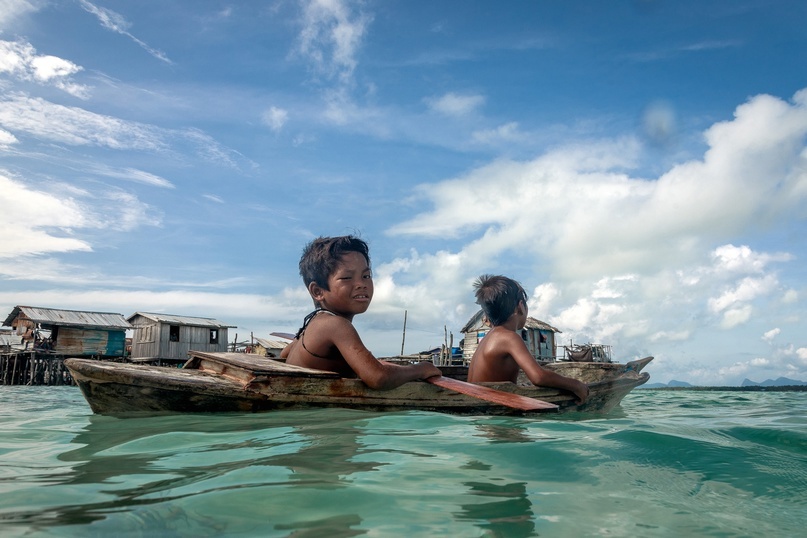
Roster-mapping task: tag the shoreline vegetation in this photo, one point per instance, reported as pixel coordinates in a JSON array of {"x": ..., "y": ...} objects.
[{"x": 780, "y": 388}]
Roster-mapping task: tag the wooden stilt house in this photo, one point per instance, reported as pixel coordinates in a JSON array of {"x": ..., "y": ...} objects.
[
  {"x": 73, "y": 333},
  {"x": 538, "y": 336},
  {"x": 170, "y": 337}
]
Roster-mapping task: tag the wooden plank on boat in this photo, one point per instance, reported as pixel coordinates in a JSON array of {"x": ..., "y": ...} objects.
[{"x": 256, "y": 364}]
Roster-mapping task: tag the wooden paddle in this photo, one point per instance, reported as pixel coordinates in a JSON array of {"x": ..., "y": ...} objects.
[{"x": 508, "y": 399}]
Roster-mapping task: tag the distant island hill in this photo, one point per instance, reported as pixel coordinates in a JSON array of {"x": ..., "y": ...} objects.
[{"x": 773, "y": 385}]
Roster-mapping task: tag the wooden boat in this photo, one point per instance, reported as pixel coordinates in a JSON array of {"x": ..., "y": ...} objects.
[{"x": 239, "y": 382}]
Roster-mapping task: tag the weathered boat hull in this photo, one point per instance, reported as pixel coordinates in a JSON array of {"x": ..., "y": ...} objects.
[{"x": 236, "y": 382}]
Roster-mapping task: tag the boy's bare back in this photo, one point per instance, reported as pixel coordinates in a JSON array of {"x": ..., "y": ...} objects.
[
  {"x": 493, "y": 359},
  {"x": 502, "y": 352}
]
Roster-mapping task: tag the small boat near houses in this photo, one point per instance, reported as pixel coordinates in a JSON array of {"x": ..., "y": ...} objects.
[{"x": 239, "y": 382}]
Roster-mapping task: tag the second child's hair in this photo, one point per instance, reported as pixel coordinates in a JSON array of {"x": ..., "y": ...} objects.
[
  {"x": 322, "y": 255},
  {"x": 498, "y": 296}
]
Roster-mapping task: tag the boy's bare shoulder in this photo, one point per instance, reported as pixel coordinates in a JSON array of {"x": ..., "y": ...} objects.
[{"x": 330, "y": 326}]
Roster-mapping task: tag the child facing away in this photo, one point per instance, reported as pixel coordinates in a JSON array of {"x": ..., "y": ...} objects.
[
  {"x": 502, "y": 351},
  {"x": 336, "y": 271}
]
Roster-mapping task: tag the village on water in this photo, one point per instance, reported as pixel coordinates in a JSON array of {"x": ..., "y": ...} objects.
[{"x": 35, "y": 341}]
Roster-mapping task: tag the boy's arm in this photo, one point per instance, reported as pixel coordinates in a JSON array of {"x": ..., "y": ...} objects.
[
  {"x": 541, "y": 376},
  {"x": 376, "y": 374}
]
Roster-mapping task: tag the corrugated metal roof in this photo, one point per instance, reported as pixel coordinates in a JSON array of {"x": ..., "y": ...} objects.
[
  {"x": 271, "y": 344},
  {"x": 71, "y": 318},
  {"x": 7, "y": 339},
  {"x": 182, "y": 320}
]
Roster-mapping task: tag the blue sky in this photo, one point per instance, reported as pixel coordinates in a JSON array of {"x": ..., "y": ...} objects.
[{"x": 639, "y": 166}]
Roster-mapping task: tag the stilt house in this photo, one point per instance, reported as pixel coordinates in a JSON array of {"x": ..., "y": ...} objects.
[
  {"x": 267, "y": 348},
  {"x": 166, "y": 336},
  {"x": 538, "y": 336},
  {"x": 71, "y": 333}
]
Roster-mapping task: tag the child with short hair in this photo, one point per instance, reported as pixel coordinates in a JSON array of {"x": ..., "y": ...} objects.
[
  {"x": 336, "y": 271},
  {"x": 502, "y": 351}
]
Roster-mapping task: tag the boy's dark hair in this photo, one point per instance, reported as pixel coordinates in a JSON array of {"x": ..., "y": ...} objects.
[
  {"x": 322, "y": 255},
  {"x": 498, "y": 296}
]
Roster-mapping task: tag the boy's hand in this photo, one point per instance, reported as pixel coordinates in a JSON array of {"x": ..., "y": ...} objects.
[
  {"x": 429, "y": 370},
  {"x": 581, "y": 391}
]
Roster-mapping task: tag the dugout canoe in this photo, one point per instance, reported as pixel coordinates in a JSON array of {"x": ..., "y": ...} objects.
[{"x": 240, "y": 382}]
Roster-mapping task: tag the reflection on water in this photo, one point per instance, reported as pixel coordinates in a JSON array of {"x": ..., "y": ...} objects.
[
  {"x": 156, "y": 462},
  {"x": 508, "y": 514}
]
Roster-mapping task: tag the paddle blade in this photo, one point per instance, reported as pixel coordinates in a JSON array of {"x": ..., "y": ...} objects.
[{"x": 515, "y": 401}]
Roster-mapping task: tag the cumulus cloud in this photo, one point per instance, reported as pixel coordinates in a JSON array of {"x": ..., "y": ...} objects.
[
  {"x": 20, "y": 60},
  {"x": 746, "y": 290},
  {"x": 770, "y": 335},
  {"x": 578, "y": 207},
  {"x": 626, "y": 259}
]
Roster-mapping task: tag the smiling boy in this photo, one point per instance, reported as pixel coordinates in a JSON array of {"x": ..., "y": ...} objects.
[{"x": 336, "y": 271}]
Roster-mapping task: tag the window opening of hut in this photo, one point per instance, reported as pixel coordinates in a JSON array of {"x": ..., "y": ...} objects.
[
  {"x": 214, "y": 336},
  {"x": 173, "y": 334}
]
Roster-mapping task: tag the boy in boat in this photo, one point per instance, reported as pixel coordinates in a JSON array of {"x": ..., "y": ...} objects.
[
  {"x": 502, "y": 351},
  {"x": 336, "y": 271}
]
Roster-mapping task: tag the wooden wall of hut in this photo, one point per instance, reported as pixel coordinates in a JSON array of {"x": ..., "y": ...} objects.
[
  {"x": 32, "y": 368},
  {"x": 79, "y": 342},
  {"x": 154, "y": 340}
]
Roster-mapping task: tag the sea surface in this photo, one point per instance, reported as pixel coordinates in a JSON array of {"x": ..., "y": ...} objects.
[{"x": 666, "y": 463}]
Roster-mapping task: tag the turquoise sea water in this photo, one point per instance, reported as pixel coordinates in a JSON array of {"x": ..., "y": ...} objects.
[{"x": 678, "y": 463}]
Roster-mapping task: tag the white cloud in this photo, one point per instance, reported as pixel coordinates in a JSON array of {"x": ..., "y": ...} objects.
[
  {"x": 275, "y": 118},
  {"x": 133, "y": 174},
  {"x": 509, "y": 132},
  {"x": 331, "y": 36},
  {"x": 579, "y": 209},
  {"x": 213, "y": 198},
  {"x": 39, "y": 221},
  {"x": 10, "y": 10},
  {"x": 79, "y": 127},
  {"x": 746, "y": 290},
  {"x": 115, "y": 22},
  {"x": 74, "y": 126},
  {"x": 7, "y": 139},
  {"x": 21, "y": 61},
  {"x": 770, "y": 335},
  {"x": 35, "y": 222},
  {"x": 790, "y": 296},
  {"x": 743, "y": 260},
  {"x": 453, "y": 104},
  {"x": 736, "y": 316}
]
